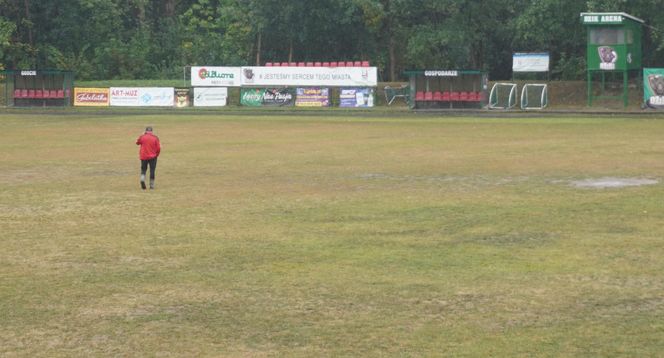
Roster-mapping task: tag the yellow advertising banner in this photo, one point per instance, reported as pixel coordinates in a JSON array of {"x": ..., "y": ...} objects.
[{"x": 98, "y": 97}]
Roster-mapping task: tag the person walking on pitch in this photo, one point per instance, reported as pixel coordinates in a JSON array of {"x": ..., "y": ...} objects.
[{"x": 150, "y": 149}]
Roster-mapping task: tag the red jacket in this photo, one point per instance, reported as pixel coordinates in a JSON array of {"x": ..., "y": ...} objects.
[{"x": 150, "y": 146}]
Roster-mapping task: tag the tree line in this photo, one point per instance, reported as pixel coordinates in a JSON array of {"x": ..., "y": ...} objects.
[{"x": 154, "y": 39}]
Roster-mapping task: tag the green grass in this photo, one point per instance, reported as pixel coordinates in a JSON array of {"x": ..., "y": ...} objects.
[{"x": 330, "y": 236}]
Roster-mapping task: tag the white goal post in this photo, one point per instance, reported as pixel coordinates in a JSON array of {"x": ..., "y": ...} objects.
[
  {"x": 534, "y": 96},
  {"x": 503, "y": 96}
]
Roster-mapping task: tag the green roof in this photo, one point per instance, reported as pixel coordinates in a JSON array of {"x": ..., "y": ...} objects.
[{"x": 599, "y": 18}]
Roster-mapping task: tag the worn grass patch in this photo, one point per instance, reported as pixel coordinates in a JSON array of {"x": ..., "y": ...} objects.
[{"x": 331, "y": 236}]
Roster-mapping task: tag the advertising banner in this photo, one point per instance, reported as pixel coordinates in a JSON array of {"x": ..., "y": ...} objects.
[
  {"x": 310, "y": 76},
  {"x": 182, "y": 98},
  {"x": 653, "y": 87},
  {"x": 356, "y": 97},
  {"x": 210, "y": 96},
  {"x": 274, "y": 97},
  {"x": 91, "y": 97},
  {"x": 608, "y": 57},
  {"x": 530, "y": 62},
  {"x": 279, "y": 97},
  {"x": 252, "y": 97},
  {"x": 312, "y": 97},
  {"x": 215, "y": 76},
  {"x": 142, "y": 96}
]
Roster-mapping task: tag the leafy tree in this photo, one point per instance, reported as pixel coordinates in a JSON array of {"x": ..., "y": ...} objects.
[
  {"x": 554, "y": 26},
  {"x": 133, "y": 39}
]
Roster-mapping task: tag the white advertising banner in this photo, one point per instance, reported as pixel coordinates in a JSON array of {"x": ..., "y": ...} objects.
[
  {"x": 310, "y": 76},
  {"x": 142, "y": 96},
  {"x": 215, "y": 76},
  {"x": 530, "y": 62},
  {"x": 210, "y": 96}
]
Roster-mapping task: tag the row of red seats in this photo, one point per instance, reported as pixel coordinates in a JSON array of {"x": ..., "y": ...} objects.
[
  {"x": 448, "y": 96},
  {"x": 40, "y": 94},
  {"x": 319, "y": 64}
]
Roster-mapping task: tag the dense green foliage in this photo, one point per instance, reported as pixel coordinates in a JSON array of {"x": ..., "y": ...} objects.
[{"x": 153, "y": 39}]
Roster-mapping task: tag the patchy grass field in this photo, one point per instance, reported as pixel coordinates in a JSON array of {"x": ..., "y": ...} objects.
[{"x": 331, "y": 236}]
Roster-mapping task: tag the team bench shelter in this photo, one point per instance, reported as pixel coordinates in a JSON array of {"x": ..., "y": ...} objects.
[
  {"x": 448, "y": 89},
  {"x": 27, "y": 88}
]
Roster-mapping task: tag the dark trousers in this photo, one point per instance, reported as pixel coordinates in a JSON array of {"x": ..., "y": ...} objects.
[{"x": 152, "y": 163}]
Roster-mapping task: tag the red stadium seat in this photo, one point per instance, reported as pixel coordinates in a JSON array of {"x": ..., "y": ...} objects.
[
  {"x": 317, "y": 64},
  {"x": 357, "y": 63},
  {"x": 24, "y": 93},
  {"x": 47, "y": 94},
  {"x": 284, "y": 64},
  {"x": 428, "y": 96},
  {"x": 454, "y": 96},
  {"x": 419, "y": 96},
  {"x": 17, "y": 93},
  {"x": 276, "y": 64},
  {"x": 31, "y": 93},
  {"x": 39, "y": 93},
  {"x": 292, "y": 64},
  {"x": 446, "y": 96},
  {"x": 268, "y": 64},
  {"x": 61, "y": 94},
  {"x": 341, "y": 64},
  {"x": 437, "y": 96},
  {"x": 463, "y": 96},
  {"x": 326, "y": 64},
  {"x": 333, "y": 64},
  {"x": 349, "y": 63},
  {"x": 54, "y": 94},
  {"x": 300, "y": 64},
  {"x": 309, "y": 64},
  {"x": 365, "y": 63},
  {"x": 472, "y": 97}
]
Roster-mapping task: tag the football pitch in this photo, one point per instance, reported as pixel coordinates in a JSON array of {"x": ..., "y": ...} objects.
[{"x": 342, "y": 235}]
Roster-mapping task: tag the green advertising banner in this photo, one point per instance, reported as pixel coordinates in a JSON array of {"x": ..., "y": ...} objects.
[
  {"x": 653, "y": 87},
  {"x": 271, "y": 97},
  {"x": 252, "y": 97}
]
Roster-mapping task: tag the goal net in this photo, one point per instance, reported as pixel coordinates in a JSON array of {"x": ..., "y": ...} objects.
[
  {"x": 534, "y": 96},
  {"x": 503, "y": 96}
]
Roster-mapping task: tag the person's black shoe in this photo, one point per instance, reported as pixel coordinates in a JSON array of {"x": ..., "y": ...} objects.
[{"x": 143, "y": 185}]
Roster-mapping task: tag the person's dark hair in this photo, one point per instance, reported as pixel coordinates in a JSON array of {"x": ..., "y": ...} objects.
[{"x": 148, "y": 129}]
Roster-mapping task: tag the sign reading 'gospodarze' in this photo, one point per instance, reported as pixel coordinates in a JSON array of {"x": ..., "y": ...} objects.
[{"x": 439, "y": 73}]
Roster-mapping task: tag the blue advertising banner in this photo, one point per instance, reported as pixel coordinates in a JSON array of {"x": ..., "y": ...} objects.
[{"x": 356, "y": 97}]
